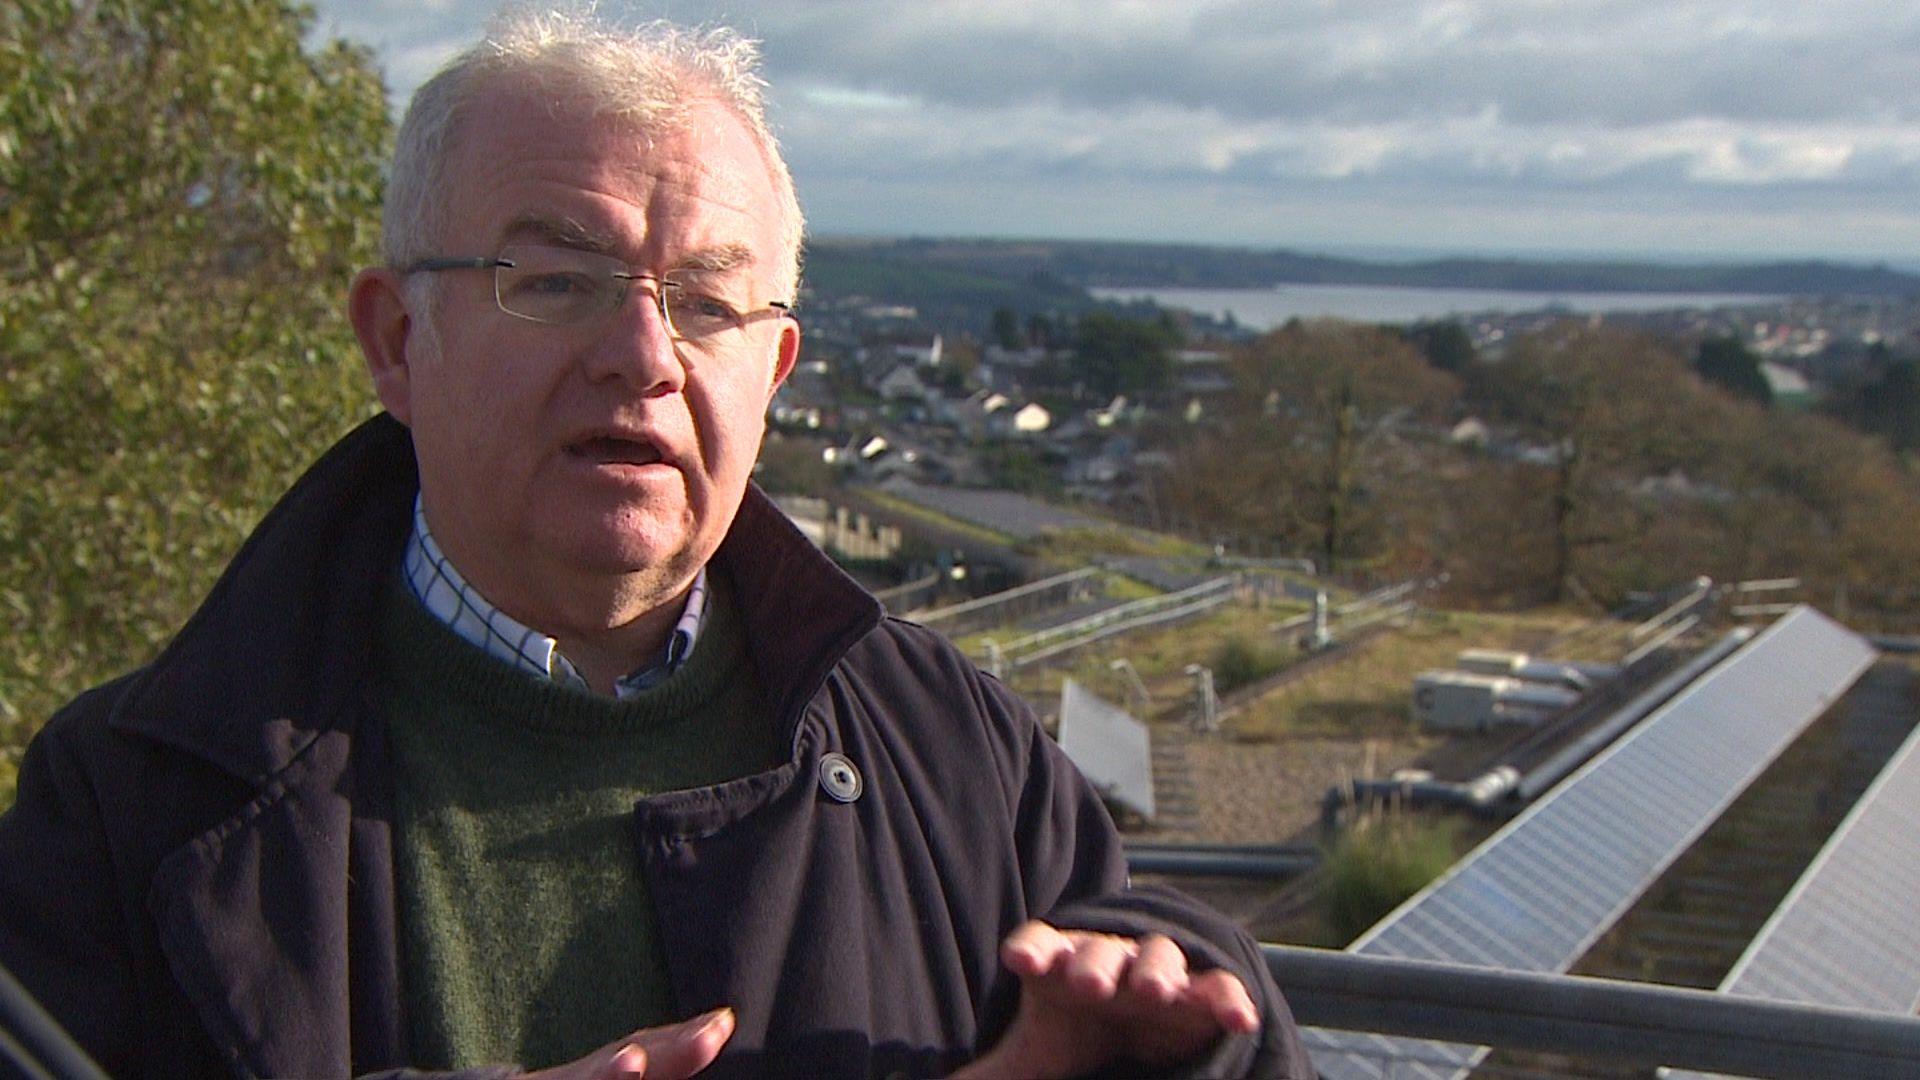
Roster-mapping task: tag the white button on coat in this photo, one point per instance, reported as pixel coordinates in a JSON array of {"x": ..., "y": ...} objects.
[{"x": 839, "y": 778}]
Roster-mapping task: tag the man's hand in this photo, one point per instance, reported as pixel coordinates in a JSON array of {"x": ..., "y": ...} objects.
[
  {"x": 1089, "y": 999},
  {"x": 674, "y": 1052}
]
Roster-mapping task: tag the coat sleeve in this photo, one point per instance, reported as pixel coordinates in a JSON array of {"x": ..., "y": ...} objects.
[
  {"x": 62, "y": 931},
  {"x": 1075, "y": 875},
  {"x": 73, "y": 932}
]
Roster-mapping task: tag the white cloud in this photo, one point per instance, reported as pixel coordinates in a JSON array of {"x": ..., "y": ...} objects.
[{"x": 1578, "y": 117}]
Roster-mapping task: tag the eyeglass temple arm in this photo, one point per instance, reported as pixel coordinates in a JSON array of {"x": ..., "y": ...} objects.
[{"x": 476, "y": 262}]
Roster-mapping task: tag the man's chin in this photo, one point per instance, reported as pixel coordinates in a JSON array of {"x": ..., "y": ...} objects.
[
  {"x": 626, "y": 556},
  {"x": 643, "y": 548}
]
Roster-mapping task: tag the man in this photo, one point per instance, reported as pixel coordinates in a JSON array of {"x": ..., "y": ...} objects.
[{"x": 524, "y": 730}]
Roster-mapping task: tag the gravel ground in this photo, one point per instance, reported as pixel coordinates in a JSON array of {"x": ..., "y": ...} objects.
[{"x": 1269, "y": 793}]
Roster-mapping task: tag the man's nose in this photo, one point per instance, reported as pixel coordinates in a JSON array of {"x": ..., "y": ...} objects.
[{"x": 636, "y": 344}]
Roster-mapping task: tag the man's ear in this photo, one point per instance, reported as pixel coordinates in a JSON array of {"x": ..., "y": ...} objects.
[
  {"x": 787, "y": 352},
  {"x": 377, "y": 307}
]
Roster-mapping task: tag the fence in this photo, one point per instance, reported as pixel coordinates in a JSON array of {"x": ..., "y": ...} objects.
[
  {"x": 1017, "y": 602},
  {"x": 1153, "y": 611},
  {"x": 1621, "y": 1023}
]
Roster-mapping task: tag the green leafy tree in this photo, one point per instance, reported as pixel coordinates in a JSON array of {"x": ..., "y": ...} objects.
[
  {"x": 185, "y": 189},
  {"x": 1117, "y": 355},
  {"x": 1574, "y": 391},
  {"x": 1727, "y": 361},
  {"x": 1446, "y": 345},
  {"x": 1889, "y": 405},
  {"x": 1319, "y": 401},
  {"x": 1041, "y": 332},
  {"x": 1006, "y": 329},
  {"x": 1613, "y": 414}
]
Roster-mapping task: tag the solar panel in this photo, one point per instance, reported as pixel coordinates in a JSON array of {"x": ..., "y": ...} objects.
[
  {"x": 1109, "y": 746},
  {"x": 1849, "y": 932},
  {"x": 1002, "y": 511},
  {"x": 1538, "y": 893}
]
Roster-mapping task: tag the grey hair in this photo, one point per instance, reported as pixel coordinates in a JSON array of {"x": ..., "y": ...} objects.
[{"x": 648, "y": 75}]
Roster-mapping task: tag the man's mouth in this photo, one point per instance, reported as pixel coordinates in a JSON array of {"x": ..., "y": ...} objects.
[{"x": 611, "y": 450}]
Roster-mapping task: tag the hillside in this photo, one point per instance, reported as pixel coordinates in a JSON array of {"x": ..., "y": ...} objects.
[{"x": 1057, "y": 269}]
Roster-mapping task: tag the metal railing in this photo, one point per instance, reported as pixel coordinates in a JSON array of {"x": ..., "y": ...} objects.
[
  {"x": 1258, "y": 861},
  {"x": 910, "y": 595},
  {"x": 1623, "y": 1023},
  {"x": 1057, "y": 590},
  {"x": 1125, "y": 618},
  {"x": 33, "y": 1044}
]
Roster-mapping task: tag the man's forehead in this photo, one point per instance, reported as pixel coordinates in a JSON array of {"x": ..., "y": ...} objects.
[
  {"x": 699, "y": 182},
  {"x": 558, "y": 230},
  {"x": 702, "y": 143}
]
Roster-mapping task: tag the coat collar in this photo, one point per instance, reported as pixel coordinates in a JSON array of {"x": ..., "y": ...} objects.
[
  {"x": 280, "y": 651},
  {"x": 285, "y": 910},
  {"x": 802, "y": 612}
]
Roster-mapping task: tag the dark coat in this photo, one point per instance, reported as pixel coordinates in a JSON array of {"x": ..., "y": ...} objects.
[{"x": 197, "y": 875}]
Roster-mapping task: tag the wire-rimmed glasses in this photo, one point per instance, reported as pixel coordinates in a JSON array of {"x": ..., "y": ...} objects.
[{"x": 561, "y": 286}]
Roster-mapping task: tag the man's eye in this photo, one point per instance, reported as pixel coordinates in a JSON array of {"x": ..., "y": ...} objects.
[
  {"x": 701, "y": 307},
  {"x": 557, "y": 284}
]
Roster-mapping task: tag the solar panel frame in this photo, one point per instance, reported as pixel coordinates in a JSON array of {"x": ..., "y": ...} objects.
[
  {"x": 1621, "y": 819},
  {"x": 1109, "y": 746},
  {"x": 1864, "y": 874}
]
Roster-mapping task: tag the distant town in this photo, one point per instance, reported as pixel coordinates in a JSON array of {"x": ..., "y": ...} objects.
[{"x": 969, "y": 364}]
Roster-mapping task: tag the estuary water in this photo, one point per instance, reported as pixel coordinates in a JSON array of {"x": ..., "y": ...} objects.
[{"x": 1264, "y": 309}]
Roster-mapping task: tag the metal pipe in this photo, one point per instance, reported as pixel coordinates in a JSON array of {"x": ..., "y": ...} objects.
[
  {"x": 1088, "y": 623},
  {"x": 1205, "y": 603},
  {"x": 1575, "y": 753},
  {"x": 1216, "y": 860},
  {"x": 1377, "y": 597},
  {"x": 1660, "y": 640},
  {"x": 1637, "y": 1024},
  {"x": 1005, "y": 595},
  {"x": 1702, "y": 587},
  {"x": 887, "y": 597},
  {"x": 1479, "y": 795},
  {"x": 1503, "y": 788},
  {"x": 33, "y": 1043},
  {"x": 1894, "y": 643},
  {"x": 1745, "y": 611},
  {"x": 1350, "y": 623}
]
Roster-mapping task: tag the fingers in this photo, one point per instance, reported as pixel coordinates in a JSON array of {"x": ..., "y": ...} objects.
[
  {"x": 1033, "y": 949},
  {"x": 1227, "y": 1000},
  {"x": 1090, "y": 964},
  {"x": 1145, "y": 981},
  {"x": 1097, "y": 964},
  {"x": 674, "y": 1052},
  {"x": 627, "y": 1063},
  {"x": 1088, "y": 999},
  {"x": 1159, "y": 973}
]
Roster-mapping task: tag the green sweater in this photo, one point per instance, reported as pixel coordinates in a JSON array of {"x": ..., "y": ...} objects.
[{"x": 526, "y": 932}]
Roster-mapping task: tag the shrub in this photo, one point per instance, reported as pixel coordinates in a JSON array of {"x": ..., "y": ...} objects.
[
  {"x": 186, "y": 186},
  {"x": 1241, "y": 661},
  {"x": 1380, "y": 861}
]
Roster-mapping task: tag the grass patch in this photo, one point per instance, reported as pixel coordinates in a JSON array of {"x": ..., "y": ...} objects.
[
  {"x": 1122, "y": 587},
  {"x": 1093, "y": 543},
  {"x": 1241, "y": 660},
  {"x": 895, "y": 504},
  {"x": 1380, "y": 861},
  {"x": 1366, "y": 693}
]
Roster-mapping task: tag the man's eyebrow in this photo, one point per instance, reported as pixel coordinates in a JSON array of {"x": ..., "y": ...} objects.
[
  {"x": 716, "y": 260},
  {"x": 560, "y": 232}
]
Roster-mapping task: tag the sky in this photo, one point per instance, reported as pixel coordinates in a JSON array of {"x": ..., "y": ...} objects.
[{"x": 1667, "y": 129}]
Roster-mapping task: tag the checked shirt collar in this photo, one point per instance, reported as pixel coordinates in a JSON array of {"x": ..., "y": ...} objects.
[{"x": 442, "y": 591}]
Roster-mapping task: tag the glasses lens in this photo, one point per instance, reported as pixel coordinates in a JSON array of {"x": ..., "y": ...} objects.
[
  {"x": 700, "y": 316},
  {"x": 554, "y": 285}
]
